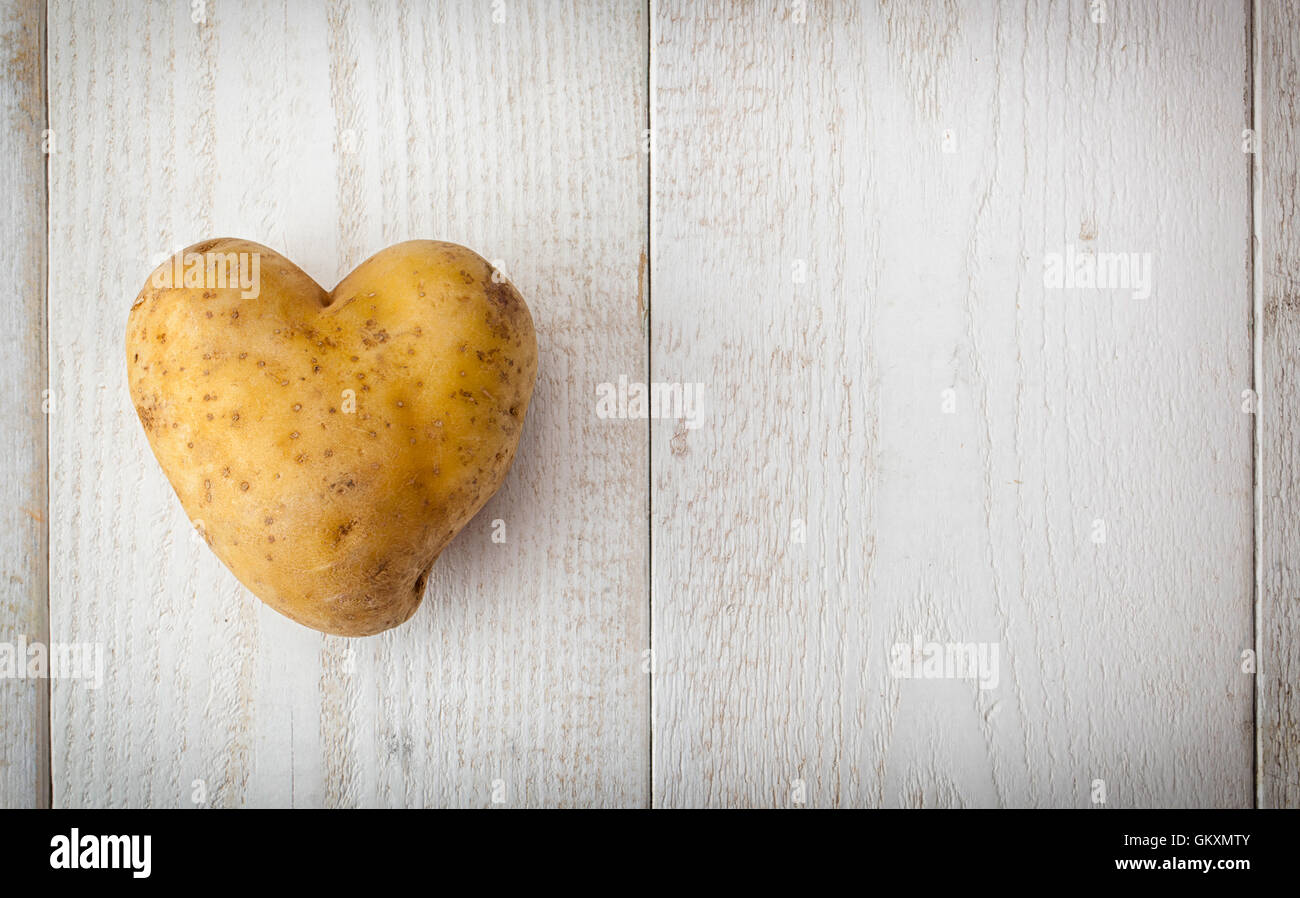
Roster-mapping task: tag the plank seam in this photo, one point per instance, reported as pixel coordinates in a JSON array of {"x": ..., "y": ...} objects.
[
  {"x": 649, "y": 365},
  {"x": 45, "y": 715},
  {"x": 1253, "y": 284}
]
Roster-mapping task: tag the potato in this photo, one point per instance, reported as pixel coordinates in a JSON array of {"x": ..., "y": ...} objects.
[{"x": 330, "y": 445}]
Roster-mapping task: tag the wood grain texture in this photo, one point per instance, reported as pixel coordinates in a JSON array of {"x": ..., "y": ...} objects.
[
  {"x": 907, "y": 433},
  {"x": 329, "y": 131},
  {"x": 1277, "y": 219},
  {"x": 24, "y": 703},
  {"x": 819, "y": 146}
]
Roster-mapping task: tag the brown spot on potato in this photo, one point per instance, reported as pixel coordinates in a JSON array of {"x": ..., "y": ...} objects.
[
  {"x": 500, "y": 294},
  {"x": 342, "y": 485},
  {"x": 343, "y": 530}
]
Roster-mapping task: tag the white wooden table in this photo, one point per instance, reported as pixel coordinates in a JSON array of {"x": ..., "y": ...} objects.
[{"x": 836, "y": 217}]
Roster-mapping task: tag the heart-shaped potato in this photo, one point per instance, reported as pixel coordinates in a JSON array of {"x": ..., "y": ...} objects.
[{"x": 330, "y": 445}]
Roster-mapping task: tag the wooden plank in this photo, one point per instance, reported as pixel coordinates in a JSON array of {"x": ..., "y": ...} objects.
[
  {"x": 24, "y": 703},
  {"x": 1277, "y": 33},
  {"x": 329, "y": 132},
  {"x": 829, "y": 272}
]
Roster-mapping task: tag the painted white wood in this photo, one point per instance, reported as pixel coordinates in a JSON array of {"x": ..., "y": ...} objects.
[
  {"x": 828, "y": 270},
  {"x": 818, "y": 148},
  {"x": 329, "y": 131},
  {"x": 1278, "y": 286},
  {"x": 24, "y": 715}
]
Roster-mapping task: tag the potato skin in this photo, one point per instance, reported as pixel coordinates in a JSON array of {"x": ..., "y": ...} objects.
[{"x": 332, "y": 506}]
